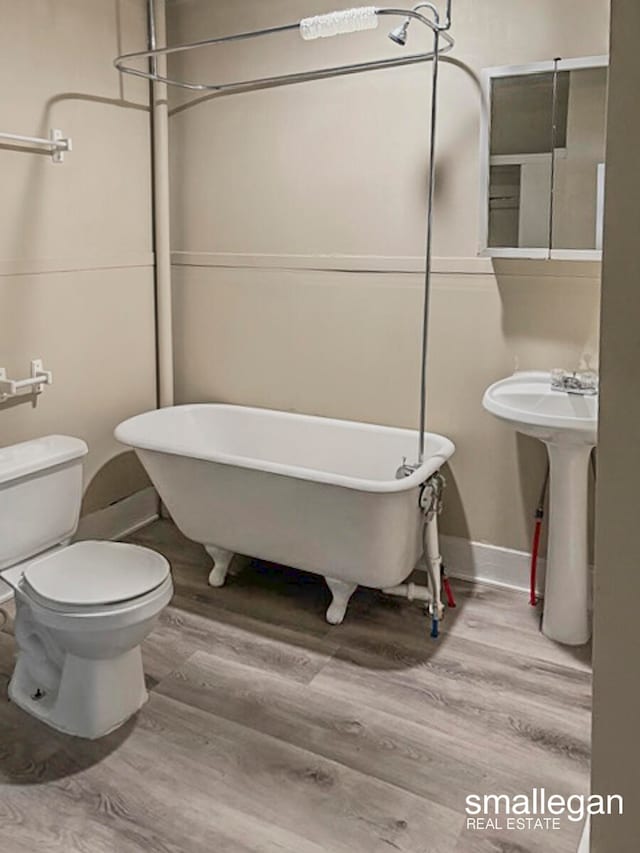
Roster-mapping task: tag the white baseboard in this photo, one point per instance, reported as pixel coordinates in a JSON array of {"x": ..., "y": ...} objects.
[
  {"x": 120, "y": 519},
  {"x": 489, "y": 564}
]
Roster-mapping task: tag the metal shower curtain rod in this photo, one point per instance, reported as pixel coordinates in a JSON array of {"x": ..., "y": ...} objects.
[
  {"x": 336, "y": 23},
  {"x": 439, "y": 29}
]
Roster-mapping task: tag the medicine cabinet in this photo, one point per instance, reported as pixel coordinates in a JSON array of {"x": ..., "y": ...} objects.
[{"x": 543, "y": 159}]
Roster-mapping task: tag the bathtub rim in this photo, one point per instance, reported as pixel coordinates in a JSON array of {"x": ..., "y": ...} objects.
[{"x": 429, "y": 467}]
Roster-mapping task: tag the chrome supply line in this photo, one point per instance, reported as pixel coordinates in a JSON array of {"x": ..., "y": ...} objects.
[
  {"x": 429, "y": 246},
  {"x": 442, "y": 44}
]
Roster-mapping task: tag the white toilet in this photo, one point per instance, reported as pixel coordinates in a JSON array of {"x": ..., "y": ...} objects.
[{"x": 82, "y": 610}]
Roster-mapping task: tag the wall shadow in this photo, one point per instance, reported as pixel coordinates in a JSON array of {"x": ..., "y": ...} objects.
[{"x": 119, "y": 478}]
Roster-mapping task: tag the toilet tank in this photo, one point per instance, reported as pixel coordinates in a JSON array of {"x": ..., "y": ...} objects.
[{"x": 40, "y": 495}]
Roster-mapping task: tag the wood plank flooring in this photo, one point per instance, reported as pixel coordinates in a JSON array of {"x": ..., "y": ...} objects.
[{"x": 268, "y": 730}]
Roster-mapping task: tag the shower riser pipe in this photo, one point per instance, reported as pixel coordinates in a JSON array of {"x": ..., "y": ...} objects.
[{"x": 161, "y": 213}]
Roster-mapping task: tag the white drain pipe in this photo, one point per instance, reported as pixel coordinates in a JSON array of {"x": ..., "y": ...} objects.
[
  {"x": 412, "y": 591},
  {"x": 161, "y": 209}
]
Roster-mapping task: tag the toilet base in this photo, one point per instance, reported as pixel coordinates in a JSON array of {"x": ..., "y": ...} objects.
[{"x": 93, "y": 697}]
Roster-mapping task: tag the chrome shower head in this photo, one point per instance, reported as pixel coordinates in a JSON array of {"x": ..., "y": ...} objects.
[{"x": 400, "y": 33}]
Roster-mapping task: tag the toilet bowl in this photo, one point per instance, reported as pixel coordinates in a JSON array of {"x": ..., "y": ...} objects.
[{"x": 82, "y": 610}]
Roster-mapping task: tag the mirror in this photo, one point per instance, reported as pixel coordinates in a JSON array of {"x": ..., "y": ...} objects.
[
  {"x": 520, "y": 161},
  {"x": 543, "y": 154},
  {"x": 578, "y": 191}
]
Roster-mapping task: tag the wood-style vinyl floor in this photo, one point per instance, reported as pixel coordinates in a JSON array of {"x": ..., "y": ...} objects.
[{"x": 268, "y": 730}]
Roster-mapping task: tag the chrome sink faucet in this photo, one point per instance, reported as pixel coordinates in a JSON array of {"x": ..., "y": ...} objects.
[{"x": 583, "y": 382}]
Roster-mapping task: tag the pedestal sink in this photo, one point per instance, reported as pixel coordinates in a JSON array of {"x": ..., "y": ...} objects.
[{"x": 567, "y": 424}]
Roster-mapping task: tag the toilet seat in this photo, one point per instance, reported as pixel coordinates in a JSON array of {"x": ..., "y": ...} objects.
[
  {"x": 106, "y": 618},
  {"x": 94, "y": 576}
]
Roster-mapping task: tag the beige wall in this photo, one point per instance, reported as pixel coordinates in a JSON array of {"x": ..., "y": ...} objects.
[
  {"x": 298, "y": 232},
  {"x": 76, "y": 263},
  {"x": 616, "y": 701}
]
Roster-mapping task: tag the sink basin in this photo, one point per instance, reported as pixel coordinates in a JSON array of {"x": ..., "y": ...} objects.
[
  {"x": 526, "y": 401},
  {"x": 568, "y": 425}
]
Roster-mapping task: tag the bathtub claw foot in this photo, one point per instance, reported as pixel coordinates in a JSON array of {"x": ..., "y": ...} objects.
[
  {"x": 342, "y": 592},
  {"x": 221, "y": 562}
]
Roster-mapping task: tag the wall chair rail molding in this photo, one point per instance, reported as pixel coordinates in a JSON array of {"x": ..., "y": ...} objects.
[
  {"x": 333, "y": 263},
  {"x": 78, "y": 263},
  {"x": 463, "y": 266}
]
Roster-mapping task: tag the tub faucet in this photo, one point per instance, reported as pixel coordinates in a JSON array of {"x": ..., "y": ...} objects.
[
  {"x": 583, "y": 382},
  {"x": 406, "y": 469}
]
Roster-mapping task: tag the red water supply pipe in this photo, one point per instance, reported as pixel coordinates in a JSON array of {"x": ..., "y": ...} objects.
[
  {"x": 451, "y": 602},
  {"x": 535, "y": 548},
  {"x": 534, "y": 557}
]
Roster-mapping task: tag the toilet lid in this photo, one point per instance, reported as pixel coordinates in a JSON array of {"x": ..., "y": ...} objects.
[{"x": 94, "y": 573}]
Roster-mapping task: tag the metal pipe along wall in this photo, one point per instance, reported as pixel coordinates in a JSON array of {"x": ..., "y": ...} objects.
[{"x": 162, "y": 234}]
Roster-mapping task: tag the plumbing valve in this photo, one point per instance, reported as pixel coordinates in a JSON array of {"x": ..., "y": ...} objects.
[{"x": 431, "y": 495}]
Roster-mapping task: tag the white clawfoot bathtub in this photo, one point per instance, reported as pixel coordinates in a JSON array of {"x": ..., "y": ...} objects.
[{"x": 309, "y": 492}]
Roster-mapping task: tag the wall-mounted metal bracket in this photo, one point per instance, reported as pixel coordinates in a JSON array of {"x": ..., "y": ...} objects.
[
  {"x": 33, "y": 385},
  {"x": 57, "y": 143}
]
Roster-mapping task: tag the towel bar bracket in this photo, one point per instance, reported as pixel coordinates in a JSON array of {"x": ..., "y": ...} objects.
[
  {"x": 60, "y": 144},
  {"x": 56, "y": 143},
  {"x": 32, "y": 385}
]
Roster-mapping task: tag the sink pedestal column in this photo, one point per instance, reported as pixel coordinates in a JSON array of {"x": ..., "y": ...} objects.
[{"x": 566, "y": 598}]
